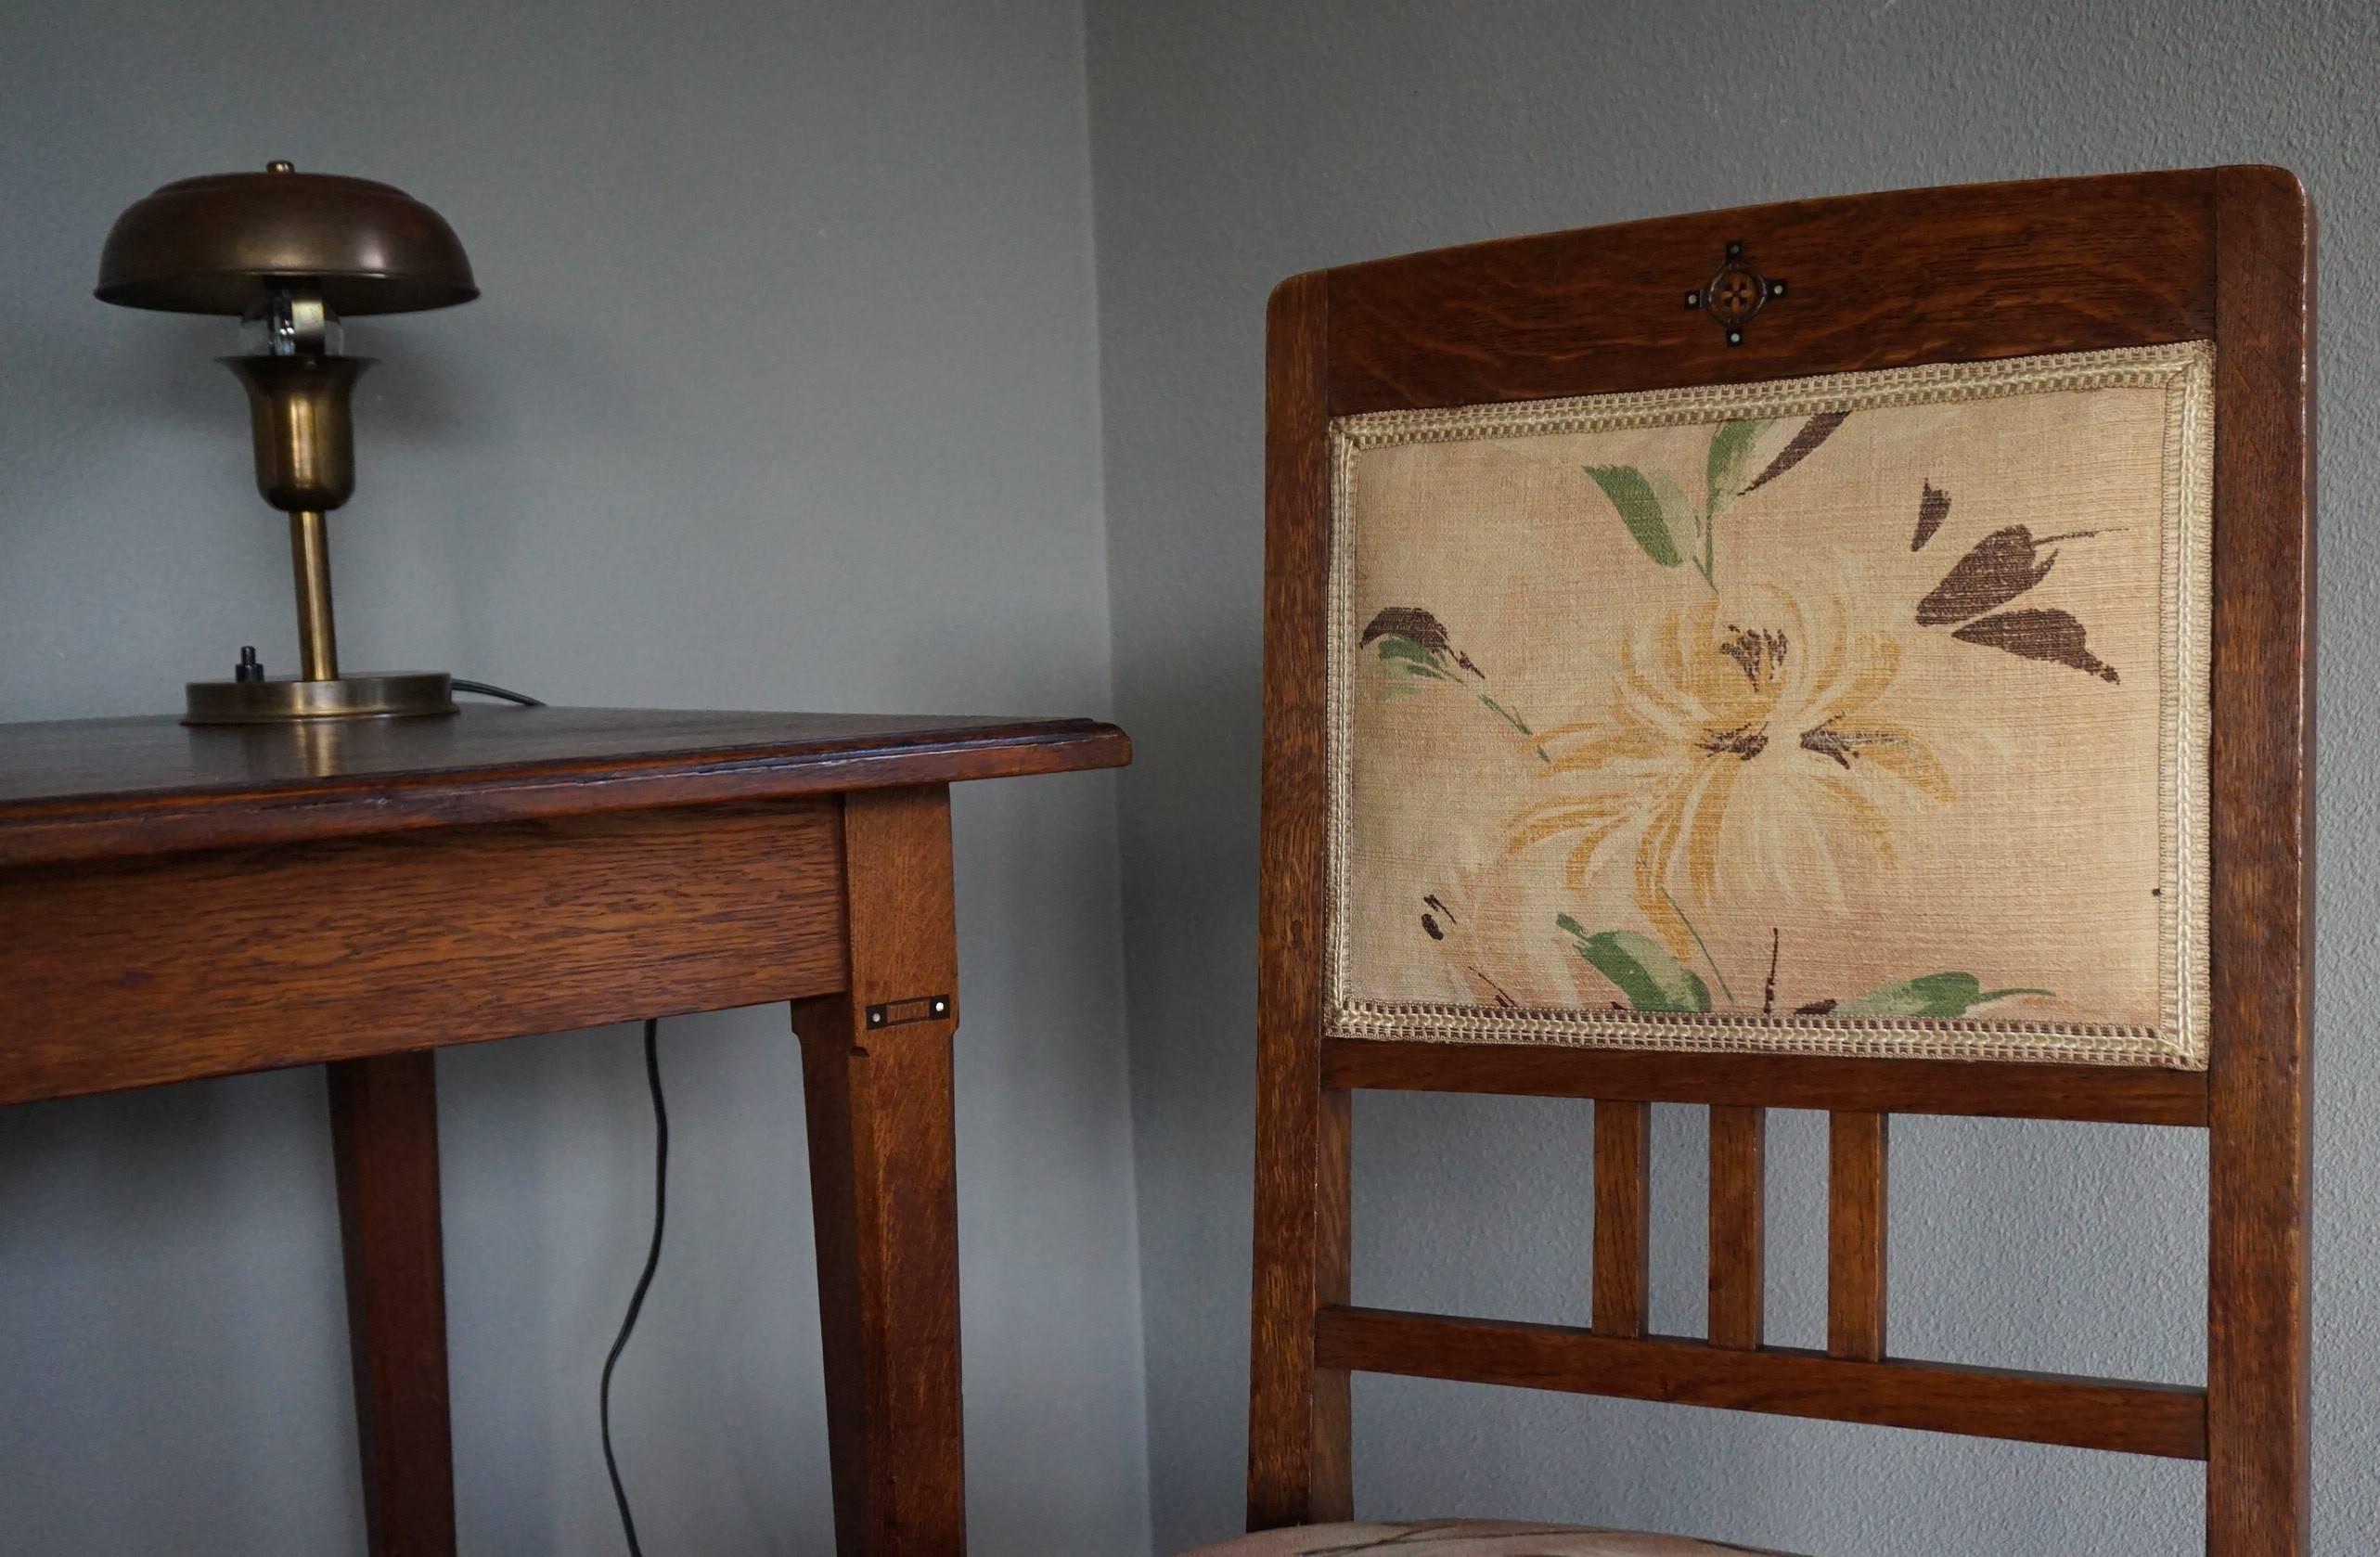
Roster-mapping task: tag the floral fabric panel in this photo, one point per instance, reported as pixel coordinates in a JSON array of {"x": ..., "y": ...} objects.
[{"x": 1855, "y": 714}]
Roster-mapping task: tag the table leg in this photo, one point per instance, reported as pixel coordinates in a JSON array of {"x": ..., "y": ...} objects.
[
  {"x": 385, "y": 1136},
  {"x": 876, "y": 1068}
]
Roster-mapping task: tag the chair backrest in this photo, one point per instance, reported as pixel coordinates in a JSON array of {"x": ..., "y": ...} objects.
[{"x": 1900, "y": 602}]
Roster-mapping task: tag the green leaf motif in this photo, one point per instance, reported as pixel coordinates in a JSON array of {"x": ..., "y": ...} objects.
[
  {"x": 1936, "y": 995},
  {"x": 1730, "y": 451},
  {"x": 1413, "y": 658},
  {"x": 1646, "y": 974},
  {"x": 1652, "y": 507},
  {"x": 1508, "y": 716}
]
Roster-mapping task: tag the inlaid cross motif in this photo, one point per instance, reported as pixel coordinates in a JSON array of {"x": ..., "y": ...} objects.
[{"x": 1736, "y": 293}]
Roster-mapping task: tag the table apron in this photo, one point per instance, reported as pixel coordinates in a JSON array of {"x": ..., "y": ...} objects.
[{"x": 133, "y": 972}]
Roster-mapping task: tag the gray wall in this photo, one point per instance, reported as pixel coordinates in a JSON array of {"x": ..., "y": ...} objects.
[
  {"x": 782, "y": 394},
  {"x": 1234, "y": 144}
]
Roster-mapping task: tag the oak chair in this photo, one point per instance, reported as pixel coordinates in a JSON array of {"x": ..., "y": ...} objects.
[{"x": 1434, "y": 416}]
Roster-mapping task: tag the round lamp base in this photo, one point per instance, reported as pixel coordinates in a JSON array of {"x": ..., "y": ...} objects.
[{"x": 282, "y": 699}]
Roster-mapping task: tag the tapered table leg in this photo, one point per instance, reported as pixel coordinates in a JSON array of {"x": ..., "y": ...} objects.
[
  {"x": 385, "y": 1136},
  {"x": 877, "y": 1083}
]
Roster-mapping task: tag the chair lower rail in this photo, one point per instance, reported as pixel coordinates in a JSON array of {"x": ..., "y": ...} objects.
[
  {"x": 2002, "y": 1089},
  {"x": 2169, "y": 1421}
]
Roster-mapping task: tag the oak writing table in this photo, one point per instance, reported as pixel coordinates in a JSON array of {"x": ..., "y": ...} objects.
[{"x": 180, "y": 901}]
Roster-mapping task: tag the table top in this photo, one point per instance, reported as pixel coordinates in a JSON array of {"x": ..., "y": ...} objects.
[{"x": 91, "y": 789}]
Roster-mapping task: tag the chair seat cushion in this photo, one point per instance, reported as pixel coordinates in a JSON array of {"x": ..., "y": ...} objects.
[{"x": 1463, "y": 1538}]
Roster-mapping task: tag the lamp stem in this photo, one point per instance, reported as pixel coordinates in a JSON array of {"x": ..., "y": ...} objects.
[{"x": 310, "y": 558}]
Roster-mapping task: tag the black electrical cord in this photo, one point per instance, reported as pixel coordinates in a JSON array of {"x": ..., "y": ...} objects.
[
  {"x": 483, "y": 689},
  {"x": 661, "y": 1196},
  {"x": 644, "y": 1282}
]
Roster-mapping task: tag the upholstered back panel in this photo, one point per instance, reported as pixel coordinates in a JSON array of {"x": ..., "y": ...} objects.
[{"x": 1852, "y": 714}]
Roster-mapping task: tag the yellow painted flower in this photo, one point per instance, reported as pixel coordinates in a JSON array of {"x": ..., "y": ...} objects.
[{"x": 1736, "y": 747}]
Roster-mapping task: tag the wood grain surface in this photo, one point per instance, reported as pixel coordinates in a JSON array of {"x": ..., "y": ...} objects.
[
  {"x": 384, "y": 1142},
  {"x": 2164, "y": 1420},
  {"x": 1857, "y": 1155},
  {"x": 1299, "y": 1423},
  {"x": 1961, "y": 273},
  {"x": 2259, "y": 1169},
  {"x": 87, "y": 789},
  {"x": 2110, "y": 1094},
  {"x": 884, "y": 1188},
  {"x": 132, "y": 973},
  {"x": 1623, "y": 1273},
  {"x": 1739, "y": 1190}
]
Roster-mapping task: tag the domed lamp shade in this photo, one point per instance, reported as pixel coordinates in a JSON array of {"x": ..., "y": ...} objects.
[{"x": 289, "y": 254}]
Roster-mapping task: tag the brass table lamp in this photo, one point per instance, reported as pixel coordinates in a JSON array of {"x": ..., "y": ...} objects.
[{"x": 288, "y": 253}]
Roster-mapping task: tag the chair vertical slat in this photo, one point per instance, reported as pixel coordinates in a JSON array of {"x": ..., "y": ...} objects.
[
  {"x": 1855, "y": 1238},
  {"x": 1739, "y": 1226},
  {"x": 1623, "y": 1215}
]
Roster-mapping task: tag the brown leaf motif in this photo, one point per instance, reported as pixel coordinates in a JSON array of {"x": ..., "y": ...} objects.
[
  {"x": 1429, "y": 920},
  {"x": 1413, "y": 641},
  {"x": 2053, "y": 635},
  {"x": 1815, "y": 430},
  {"x": 1839, "y": 745},
  {"x": 1419, "y": 626},
  {"x": 2003, "y": 565},
  {"x": 1932, "y": 510}
]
